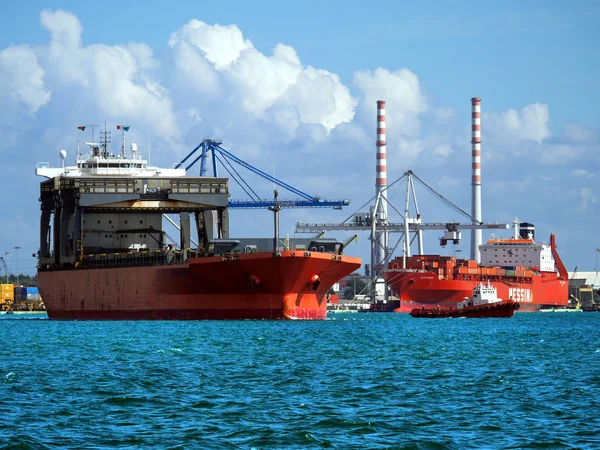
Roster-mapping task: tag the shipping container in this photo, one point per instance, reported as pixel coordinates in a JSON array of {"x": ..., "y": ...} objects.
[
  {"x": 448, "y": 258},
  {"x": 8, "y": 287},
  {"x": 30, "y": 293},
  {"x": 510, "y": 272}
]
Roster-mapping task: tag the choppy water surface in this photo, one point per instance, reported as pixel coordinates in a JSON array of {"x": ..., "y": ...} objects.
[{"x": 353, "y": 381}]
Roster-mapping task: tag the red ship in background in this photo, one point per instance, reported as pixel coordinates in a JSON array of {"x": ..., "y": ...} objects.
[
  {"x": 523, "y": 271},
  {"x": 527, "y": 272},
  {"x": 104, "y": 252}
]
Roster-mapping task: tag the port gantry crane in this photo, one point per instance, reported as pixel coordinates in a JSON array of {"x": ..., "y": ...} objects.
[
  {"x": 369, "y": 221},
  {"x": 218, "y": 153},
  {"x": 5, "y": 268}
]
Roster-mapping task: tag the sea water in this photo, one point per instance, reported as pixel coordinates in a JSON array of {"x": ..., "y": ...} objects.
[{"x": 363, "y": 381}]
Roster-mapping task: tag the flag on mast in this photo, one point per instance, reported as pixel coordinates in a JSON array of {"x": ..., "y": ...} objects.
[
  {"x": 123, "y": 127},
  {"x": 82, "y": 128}
]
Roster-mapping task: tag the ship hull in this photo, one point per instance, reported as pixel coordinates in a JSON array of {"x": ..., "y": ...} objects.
[
  {"x": 417, "y": 289},
  {"x": 504, "y": 309},
  {"x": 283, "y": 285}
]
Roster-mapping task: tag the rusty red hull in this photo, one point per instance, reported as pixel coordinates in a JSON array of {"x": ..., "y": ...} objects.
[{"x": 284, "y": 285}]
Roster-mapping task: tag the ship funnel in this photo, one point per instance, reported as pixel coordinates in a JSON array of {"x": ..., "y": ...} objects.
[
  {"x": 476, "y": 239},
  {"x": 526, "y": 230}
]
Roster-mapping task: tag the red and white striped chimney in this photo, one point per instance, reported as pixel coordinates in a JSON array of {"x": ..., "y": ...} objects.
[
  {"x": 476, "y": 239},
  {"x": 381, "y": 181},
  {"x": 381, "y": 184}
]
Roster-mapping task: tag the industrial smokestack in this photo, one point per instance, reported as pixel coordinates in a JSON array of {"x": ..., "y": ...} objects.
[
  {"x": 381, "y": 184},
  {"x": 476, "y": 176}
]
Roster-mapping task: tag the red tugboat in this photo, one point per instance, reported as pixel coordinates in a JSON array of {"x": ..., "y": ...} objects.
[{"x": 483, "y": 303}]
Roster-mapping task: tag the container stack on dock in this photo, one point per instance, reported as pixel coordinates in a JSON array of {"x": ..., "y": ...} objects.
[
  {"x": 7, "y": 299},
  {"x": 20, "y": 298}
]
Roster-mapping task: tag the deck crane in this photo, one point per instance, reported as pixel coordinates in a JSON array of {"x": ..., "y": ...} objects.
[{"x": 218, "y": 153}]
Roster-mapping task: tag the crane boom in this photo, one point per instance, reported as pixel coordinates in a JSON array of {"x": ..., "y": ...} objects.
[
  {"x": 226, "y": 158},
  {"x": 396, "y": 227}
]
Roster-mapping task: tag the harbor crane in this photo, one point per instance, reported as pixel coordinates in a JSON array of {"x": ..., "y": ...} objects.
[
  {"x": 5, "y": 268},
  {"x": 226, "y": 159},
  {"x": 370, "y": 221}
]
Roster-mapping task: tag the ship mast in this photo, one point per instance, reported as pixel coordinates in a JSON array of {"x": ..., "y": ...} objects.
[
  {"x": 516, "y": 228},
  {"x": 123, "y": 129},
  {"x": 275, "y": 208},
  {"x": 122, "y": 142},
  {"x": 105, "y": 138}
]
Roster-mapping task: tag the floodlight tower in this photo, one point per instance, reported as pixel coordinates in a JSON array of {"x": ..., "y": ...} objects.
[{"x": 17, "y": 248}]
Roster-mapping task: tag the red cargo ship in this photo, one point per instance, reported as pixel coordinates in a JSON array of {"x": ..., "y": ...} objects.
[
  {"x": 520, "y": 269},
  {"x": 105, "y": 255},
  {"x": 265, "y": 285}
]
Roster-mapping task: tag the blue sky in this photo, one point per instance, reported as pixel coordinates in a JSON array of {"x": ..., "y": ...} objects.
[{"x": 535, "y": 65}]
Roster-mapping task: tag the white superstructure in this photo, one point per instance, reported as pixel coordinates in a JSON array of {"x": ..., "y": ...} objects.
[
  {"x": 517, "y": 252},
  {"x": 483, "y": 294},
  {"x": 100, "y": 162}
]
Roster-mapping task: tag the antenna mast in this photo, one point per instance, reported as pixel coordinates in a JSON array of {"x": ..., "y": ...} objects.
[
  {"x": 105, "y": 137},
  {"x": 93, "y": 131}
]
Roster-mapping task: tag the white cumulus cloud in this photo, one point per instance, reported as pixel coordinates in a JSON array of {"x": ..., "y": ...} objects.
[
  {"x": 401, "y": 90},
  {"x": 219, "y": 63},
  {"x": 221, "y": 45},
  {"x": 117, "y": 80},
  {"x": 405, "y": 107},
  {"x": 531, "y": 123},
  {"x": 22, "y": 79}
]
